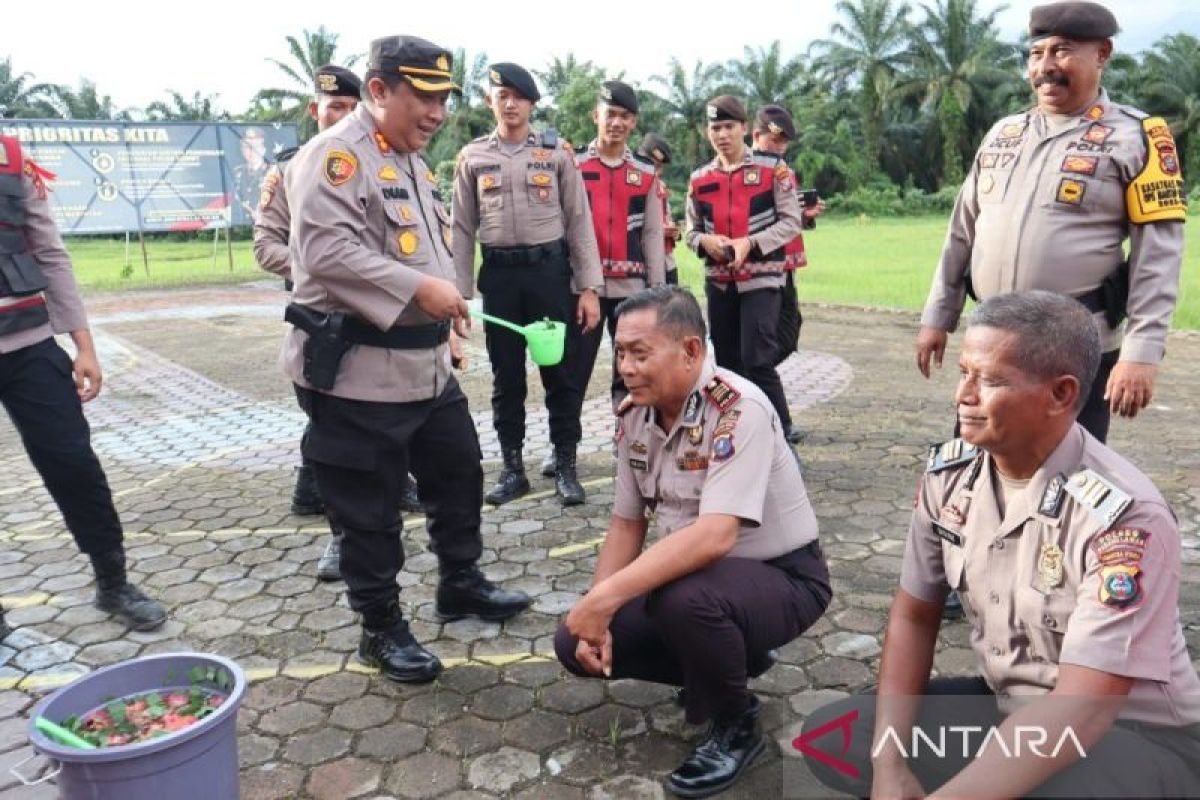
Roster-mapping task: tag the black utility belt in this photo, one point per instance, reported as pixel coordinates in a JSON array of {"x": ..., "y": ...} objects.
[
  {"x": 523, "y": 256},
  {"x": 356, "y": 331}
]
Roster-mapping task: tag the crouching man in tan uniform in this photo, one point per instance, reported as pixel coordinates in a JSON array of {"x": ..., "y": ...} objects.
[{"x": 738, "y": 569}]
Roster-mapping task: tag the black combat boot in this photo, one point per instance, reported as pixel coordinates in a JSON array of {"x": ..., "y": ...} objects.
[
  {"x": 410, "y": 500},
  {"x": 512, "y": 483},
  {"x": 306, "y": 498},
  {"x": 566, "y": 482},
  {"x": 465, "y": 592},
  {"x": 329, "y": 565},
  {"x": 116, "y": 595},
  {"x": 5, "y": 630},
  {"x": 549, "y": 465},
  {"x": 727, "y": 749},
  {"x": 386, "y": 643}
]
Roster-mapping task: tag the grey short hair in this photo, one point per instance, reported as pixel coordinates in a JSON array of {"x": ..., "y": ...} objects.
[
  {"x": 675, "y": 307},
  {"x": 1055, "y": 334}
]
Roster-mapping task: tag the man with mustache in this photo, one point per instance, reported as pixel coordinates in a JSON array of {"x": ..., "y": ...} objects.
[
  {"x": 1051, "y": 197},
  {"x": 520, "y": 193},
  {"x": 370, "y": 354}
]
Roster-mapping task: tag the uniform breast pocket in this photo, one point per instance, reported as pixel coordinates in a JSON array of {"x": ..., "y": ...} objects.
[
  {"x": 954, "y": 562},
  {"x": 542, "y": 190},
  {"x": 1045, "y": 616},
  {"x": 1083, "y": 184},
  {"x": 404, "y": 230}
]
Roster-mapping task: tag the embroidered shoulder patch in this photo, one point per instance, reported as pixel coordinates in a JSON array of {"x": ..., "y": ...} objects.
[
  {"x": 340, "y": 167},
  {"x": 1101, "y": 498},
  {"x": 1120, "y": 545},
  {"x": 722, "y": 395}
]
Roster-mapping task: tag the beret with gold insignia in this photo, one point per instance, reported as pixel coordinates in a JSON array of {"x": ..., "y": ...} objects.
[
  {"x": 777, "y": 120},
  {"x": 655, "y": 148},
  {"x": 336, "y": 81},
  {"x": 619, "y": 94},
  {"x": 1074, "y": 19},
  {"x": 725, "y": 107},
  {"x": 514, "y": 76}
]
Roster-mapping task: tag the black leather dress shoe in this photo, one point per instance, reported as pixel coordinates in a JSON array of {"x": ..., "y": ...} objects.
[
  {"x": 398, "y": 655},
  {"x": 329, "y": 565},
  {"x": 719, "y": 760},
  {"x": 467, "y": 593}
]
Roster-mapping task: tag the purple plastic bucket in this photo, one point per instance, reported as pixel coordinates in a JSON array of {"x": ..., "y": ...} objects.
[{"x": 199, "y": 762}]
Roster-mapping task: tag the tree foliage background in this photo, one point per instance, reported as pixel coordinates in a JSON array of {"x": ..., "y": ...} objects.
[{"x": 889, "y": 105}]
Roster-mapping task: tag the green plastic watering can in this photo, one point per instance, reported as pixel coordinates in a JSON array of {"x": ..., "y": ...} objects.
[{"x": 546, "y": 339}]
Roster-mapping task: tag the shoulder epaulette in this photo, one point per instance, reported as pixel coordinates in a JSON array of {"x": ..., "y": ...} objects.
[
  {"x": 1102, "y": 499},
  {"x": 11, "y": 159},
  {"x": 285, "y": 155},
  {"x": 722, "y": 395},
  {"x": 550, "y": 139},
  {"x": 625, "y": 405},
  {"x": 766, "y": 159},
  {"x": 1130, "y": 111},
  {"x": 953, "y": 453}
]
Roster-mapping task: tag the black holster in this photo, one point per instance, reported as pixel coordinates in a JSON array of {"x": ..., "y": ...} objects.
[
  {"x": 1116, "y": 295},
  {"x": 326, "y": 344}
]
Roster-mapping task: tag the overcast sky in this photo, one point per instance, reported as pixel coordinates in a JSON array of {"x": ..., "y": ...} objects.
[{"x": 137, "y": 51}]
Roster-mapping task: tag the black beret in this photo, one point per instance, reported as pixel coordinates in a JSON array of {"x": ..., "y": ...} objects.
[
  {"x": 777, "y": 120},
  {"x": 619, "y": 94},
  {"x": 1073, "y": 19},
  {"x": 422, "y": 63},
  {"x": 337, "y": 81},
  {"x": 655, "y": 148},
  {"x": 725, "y": 106},
  {"x": 516, "y": 77}
]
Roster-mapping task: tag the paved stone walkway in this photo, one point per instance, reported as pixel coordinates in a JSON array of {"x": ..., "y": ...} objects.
[{"x": 198, "y": 433}]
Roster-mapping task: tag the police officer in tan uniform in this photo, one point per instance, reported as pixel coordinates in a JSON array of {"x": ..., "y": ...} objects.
[
  {"x": 43, "y": 389},
  {"x": 656, "y": 151},
  {"x": 370, "y": 352},
  {"x": 742, "y": 211},
  {"x": 737, "y": 568},
  {"x": 520, "y": 192},
  {"x": 1067, "y": 561},
  {"x": 1051, "y": 197},
  {"x": 336, "y": 94}
]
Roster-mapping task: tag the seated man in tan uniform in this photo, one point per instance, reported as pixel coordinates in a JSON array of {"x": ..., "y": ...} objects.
[
  {"x": 1068, "y": 563},
  {"x": 737, "y": 569}
]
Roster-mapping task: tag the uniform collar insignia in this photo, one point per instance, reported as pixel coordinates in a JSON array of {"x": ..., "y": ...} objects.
[
  {"x": 691, "y": 409},
  {"x": 1052, "y": 498}
]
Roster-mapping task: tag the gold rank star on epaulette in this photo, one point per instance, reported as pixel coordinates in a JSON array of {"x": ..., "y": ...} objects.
[
  {"x": 1098, "y": 495},
  {"x": 950, "y": 454}
]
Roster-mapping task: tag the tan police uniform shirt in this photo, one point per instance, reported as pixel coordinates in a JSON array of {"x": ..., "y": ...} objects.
[
  {"x": 653, "y": 244},
  {"x": 725, "y": 455},
  {"x": 789, "y": 221},
  {"x": 1043, "y": 207},
  {"x": 273, "y": 225},
  {"x": 367, "y": 226},
  {"x": 529, "y": 197},
  {"x": 1082, "y": 568},
  {"x": 63, "y": 301}
]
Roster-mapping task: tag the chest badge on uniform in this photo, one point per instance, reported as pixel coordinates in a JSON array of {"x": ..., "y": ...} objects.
[
  {"x": 408, "y": 242},
  {"x": 1095, "y": 112},
  {"x": 1050, "y": 566},
  {"x": 542, "y": 155},
  {"x": 488, "y": 181},
  {"x": 1082, "y": 165},
  {"x": 633, "y": 177},
  {"x": 695, "y": 434},
  {"x": 691, "y": 461},
  {"x": 1097, "y": 133},
  {"x": 406, "y": 213},
  {"x": 1013, "y": 130},
  {"x": 542, "y": 179},
  {"x": 429, "y": 176},
  {"x": 1070, "y": 192},
  {"x": 752, "y": 177},
  {"x": 382, "y": 143},
  {"x": 953, "y": 515},
  {"x": 638, "y": 447},
  {"x": 988, "y": 160},
  {"x": 388, "y": 173},
  {"x": 987, "y": 183},
  {"x": 340, "y": 167},
  {"x": 722, "y": 447}
]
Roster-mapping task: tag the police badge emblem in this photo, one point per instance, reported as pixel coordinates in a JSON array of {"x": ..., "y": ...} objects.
[{"x": 1050, "y": 566}]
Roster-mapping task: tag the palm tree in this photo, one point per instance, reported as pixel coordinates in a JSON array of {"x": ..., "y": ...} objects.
[
  {"x": 866, "y": 51},
  {"x": 19, "y": 96},
  {"x": 687, "y": 96},
  {"x": 84, "y": 103},
  {"x": 957, "y": 60},
  {"x": 199, "y": 107},
  {"x": 1173, "y": 91},
  {"x": 310, "y": 52},
  {"x": 560, "y": 72},
  {"x": 763, "y": 76}
]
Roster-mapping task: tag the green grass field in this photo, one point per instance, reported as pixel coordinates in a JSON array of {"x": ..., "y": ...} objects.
[{"x": 884, "y": 263}]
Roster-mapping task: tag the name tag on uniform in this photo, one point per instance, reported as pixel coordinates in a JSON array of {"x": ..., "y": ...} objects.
[
  {"x": 953, "y": 537},
  {"x": 638, "y": 463}
]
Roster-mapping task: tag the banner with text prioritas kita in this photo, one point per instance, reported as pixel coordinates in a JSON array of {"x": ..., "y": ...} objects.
[{"x": 117, "y": 177}]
